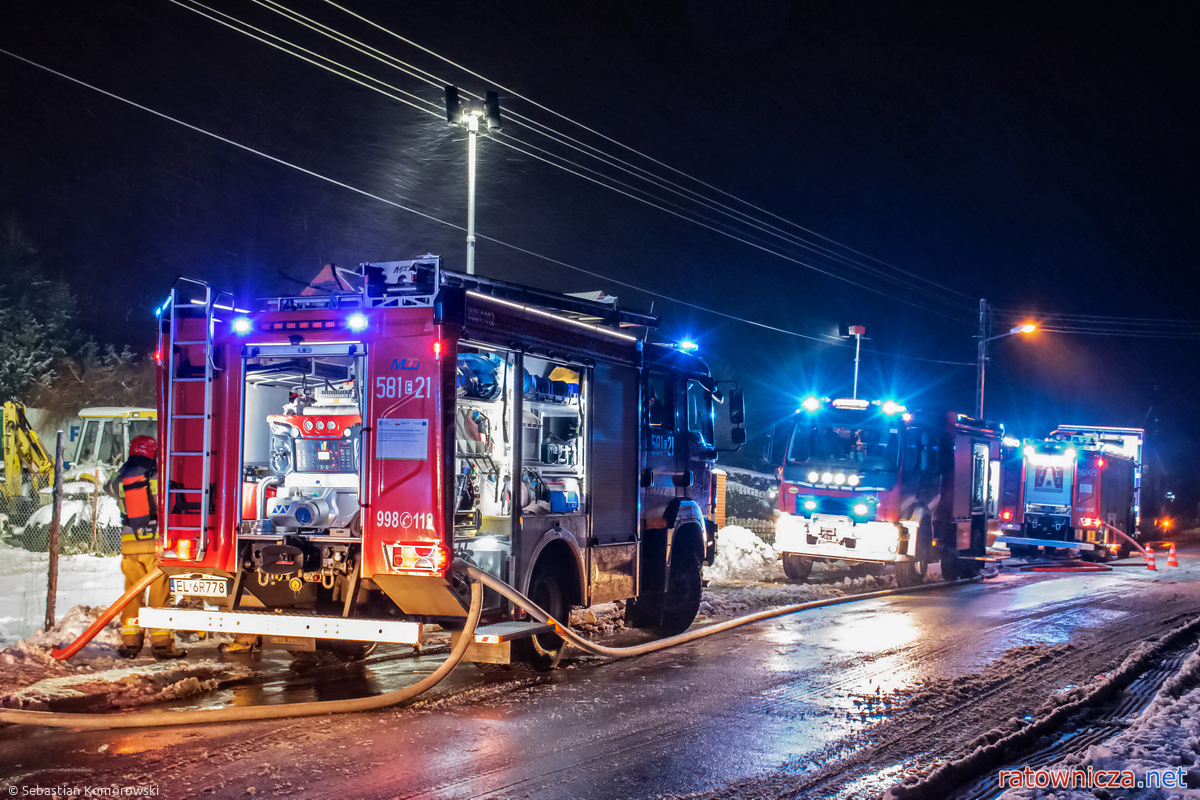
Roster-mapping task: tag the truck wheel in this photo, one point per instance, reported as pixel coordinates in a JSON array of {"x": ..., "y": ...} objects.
[
  {"x": 544, "y": 651},
  {"x": 865, "y": 569},
  {"x": 955, "y": 568},
  {"x": 347, "y": 650},
  {"x": 797, "y": 567},
  {"x": 682, "y": 598},
  {"x": 909, "y": 573}
]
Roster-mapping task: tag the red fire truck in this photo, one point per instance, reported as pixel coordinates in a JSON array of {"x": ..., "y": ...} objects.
[
  {"x": 870, "y": 483},
  {"x": 331, "y": 457},
  {"x": 1072, "y": 487}
]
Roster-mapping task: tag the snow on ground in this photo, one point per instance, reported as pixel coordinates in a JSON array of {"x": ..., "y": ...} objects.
[
  {"x": 744, "y": 562},
  {"x": 30, "y": 677},
  {"x": 82, "y": 580},
  {"x": 1164, "y": 736},
  {"x": 734, "y": 601},
  {"x": 1156, "y": 750},
  {"x": 29, "y": 660}
]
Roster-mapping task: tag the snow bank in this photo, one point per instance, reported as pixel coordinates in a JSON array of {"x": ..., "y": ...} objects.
[
  {"x": 1004, "y": 743},
  {"x": 743, "y": 556},
  {"x": 1165, "y": 736},
  {"x": 68, "y": 628},
  {"x": 82, "y": 580},
  {"x": 129, "y": 686}
]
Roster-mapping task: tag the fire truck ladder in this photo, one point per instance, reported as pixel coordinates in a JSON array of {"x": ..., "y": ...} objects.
[{"x": 187, "y": 347}]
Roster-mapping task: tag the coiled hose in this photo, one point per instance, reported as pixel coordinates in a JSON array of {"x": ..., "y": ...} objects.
[{"x": 157, "y": 719}]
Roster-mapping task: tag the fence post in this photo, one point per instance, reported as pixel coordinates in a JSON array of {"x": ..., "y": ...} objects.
[
  {"x": 55, "y": 520},
  {"x": 95, "y": 510}
]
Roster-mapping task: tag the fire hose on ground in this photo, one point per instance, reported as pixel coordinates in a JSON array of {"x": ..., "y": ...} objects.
[{"x": 481, "y": 579}]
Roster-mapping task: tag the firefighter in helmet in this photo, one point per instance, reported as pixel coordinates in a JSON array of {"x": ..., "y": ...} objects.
[{"x": 136, "y": 488}]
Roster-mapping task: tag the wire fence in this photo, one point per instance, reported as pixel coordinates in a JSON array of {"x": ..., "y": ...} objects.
[{"x": 89, "y": 546}]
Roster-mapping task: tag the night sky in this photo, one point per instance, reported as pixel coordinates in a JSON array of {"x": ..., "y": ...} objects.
[{"x": 1041, "y": 156}]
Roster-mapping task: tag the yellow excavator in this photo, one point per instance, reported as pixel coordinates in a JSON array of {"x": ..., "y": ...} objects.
[{"x": 23, "y": 454}]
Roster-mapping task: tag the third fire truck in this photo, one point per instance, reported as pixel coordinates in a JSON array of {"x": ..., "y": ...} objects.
[
  {"x": 333, "y": 459},
  {"x": 871, "y": 483},
  {"x": 1074, "y": 490}
]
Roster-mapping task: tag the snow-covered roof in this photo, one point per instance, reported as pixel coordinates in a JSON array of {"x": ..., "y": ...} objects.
[{"x": 118, "y": 412}]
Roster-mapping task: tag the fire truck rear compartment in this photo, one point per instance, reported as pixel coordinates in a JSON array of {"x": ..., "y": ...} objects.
[{"x": 299, "y": 539}]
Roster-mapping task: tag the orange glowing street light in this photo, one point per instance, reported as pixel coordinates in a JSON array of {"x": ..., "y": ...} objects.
[{"x": 985, "y": 316}]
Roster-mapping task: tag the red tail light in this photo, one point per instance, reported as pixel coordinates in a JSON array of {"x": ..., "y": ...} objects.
[
  {"x": 1099, "y": 462},
  {"x": 419, "y": 558},
  {"x": 1006, "y": 515}
]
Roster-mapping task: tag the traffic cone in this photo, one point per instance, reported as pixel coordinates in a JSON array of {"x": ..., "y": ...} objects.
[
  {"x": 1172, "y": 561},
  {"x": 1150, "y": 559}
]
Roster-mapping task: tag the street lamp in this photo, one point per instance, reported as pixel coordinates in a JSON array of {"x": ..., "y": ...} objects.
[
  {"x": 985, "y": 318},
  {"x": 468, "y": 114}
]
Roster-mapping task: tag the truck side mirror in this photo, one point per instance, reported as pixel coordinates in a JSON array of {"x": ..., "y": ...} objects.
[
  {"x": 738, "y": 436},
  {"x": 737, "y": 407}
]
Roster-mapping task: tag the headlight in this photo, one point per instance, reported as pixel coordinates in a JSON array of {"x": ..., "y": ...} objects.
[
  {"x": 813, "y": 477},
  {"x": 861, "y": 509},
  {"x": 827, "y": 477},
  {"x": 854, "y": 480},
  {"x": 810, "y": 505},
  {"x": 840, "y": 478}
]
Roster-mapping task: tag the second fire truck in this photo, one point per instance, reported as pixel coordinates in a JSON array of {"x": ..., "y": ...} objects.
[{"x": 871, "y": 483}]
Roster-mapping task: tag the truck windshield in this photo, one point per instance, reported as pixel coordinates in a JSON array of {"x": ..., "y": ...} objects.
[{"x": 864, "y": 443}]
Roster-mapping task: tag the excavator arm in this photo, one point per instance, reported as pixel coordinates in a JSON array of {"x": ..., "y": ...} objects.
[{"x": 23, "y": 451}]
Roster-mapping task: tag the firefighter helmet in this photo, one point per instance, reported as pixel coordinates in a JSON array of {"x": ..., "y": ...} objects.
[{"x": 143, "y": 446}]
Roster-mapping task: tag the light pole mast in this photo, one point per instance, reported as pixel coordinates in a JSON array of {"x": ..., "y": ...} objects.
[
  {"x": 468, "y": 114},
  {"x": 857, "y": 331},
  {"x": 984, "y": 324},
  {"x": 472, "y": 121}
]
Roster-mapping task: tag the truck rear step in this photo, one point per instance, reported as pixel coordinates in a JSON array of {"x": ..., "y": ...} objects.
[
  {"x": 1046, "y": 543},
  {"x": 292, "y": 625}
]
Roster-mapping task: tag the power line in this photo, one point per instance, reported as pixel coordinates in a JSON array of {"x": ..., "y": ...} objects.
[
  {"x": 575, "y": 144},
  {"x": 593, "y": 152},
  {"x": 334, "y": 67},
  {"x": 607, "y": 138}
]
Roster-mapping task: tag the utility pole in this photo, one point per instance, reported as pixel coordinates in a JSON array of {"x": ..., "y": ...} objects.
[
  {"x": 985, "y": 321},
  {"x": 468, "y": 114}
]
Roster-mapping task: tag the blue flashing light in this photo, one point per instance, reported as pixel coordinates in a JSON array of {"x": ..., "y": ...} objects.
[
  {"x": 688, "y": 346},
  {"x": 357, "y": 322},
  {"x": 810, "y": 404},
  {"x": 242, "y": 325},
  {"x": 159, "y": 311},
  {"x": 892, "y": 407}
]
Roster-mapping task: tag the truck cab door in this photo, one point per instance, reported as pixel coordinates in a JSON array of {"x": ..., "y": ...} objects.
[{"x": 665, "y": 456}]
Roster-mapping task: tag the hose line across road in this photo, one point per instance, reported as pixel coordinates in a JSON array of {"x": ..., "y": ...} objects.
[{"x": 480, "y": 580}]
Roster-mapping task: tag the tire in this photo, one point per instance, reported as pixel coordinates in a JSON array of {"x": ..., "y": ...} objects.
[
  {"x": 865, "y": 569},
  {"x": 682, "y": 598},
  {"x": 797, "y": 567},
  {"x": 909, "y": 574},
  {"x": 912, "y": 573},
  {"x": 544, "y": 651},
  {"x": 347, "y": 650},
  {"x": 955, "y": 568}
]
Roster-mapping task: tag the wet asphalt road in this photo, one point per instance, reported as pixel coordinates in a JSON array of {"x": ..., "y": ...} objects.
[{"x": 776, "y": 698}]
